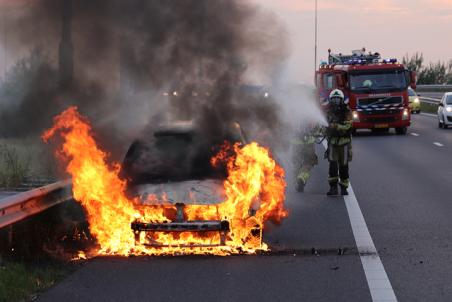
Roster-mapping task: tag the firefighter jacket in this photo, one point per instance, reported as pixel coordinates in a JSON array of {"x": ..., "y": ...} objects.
[
  {"x": 308, "y": 136},
  {"x": 341, "y": 133}
]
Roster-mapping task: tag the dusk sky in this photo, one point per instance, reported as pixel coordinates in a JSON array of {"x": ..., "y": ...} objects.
[{"x": 391, "y": 27}]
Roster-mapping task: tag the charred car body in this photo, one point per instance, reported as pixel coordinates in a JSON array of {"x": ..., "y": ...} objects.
[{"x": 173, "y": 167}]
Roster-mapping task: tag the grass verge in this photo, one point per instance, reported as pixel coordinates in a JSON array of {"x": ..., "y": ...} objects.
[
  {"x": 429, "y": 108},
  {"x": 22, "y": 282},
  {"x": 25, "y": 159}
]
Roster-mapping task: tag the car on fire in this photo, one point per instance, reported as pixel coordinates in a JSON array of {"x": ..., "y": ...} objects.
[{"x": 173, "y": 166}]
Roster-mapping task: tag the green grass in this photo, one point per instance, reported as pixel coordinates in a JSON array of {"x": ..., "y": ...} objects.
[
  {"x": 429, "y": 108},
  {"x": 24, "y": 158},
  {"x": 21, "y": 282}
]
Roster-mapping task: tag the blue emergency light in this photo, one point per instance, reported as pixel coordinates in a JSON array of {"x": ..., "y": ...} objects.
[{"x": 390, "y": 61}]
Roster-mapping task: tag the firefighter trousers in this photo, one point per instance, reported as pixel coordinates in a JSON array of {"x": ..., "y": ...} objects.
[{"x": 338, "y": 174}]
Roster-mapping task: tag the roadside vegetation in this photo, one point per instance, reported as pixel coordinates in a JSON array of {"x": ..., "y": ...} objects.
[
  {"x": 21, "y": 281},
  {"x": 432, "y": 74},
  {"x": 38, "y": 252},
  {"x": 14, "y": 165},
  {"x": 429, "y": 108},
  {"x": 24, "y": 160}
]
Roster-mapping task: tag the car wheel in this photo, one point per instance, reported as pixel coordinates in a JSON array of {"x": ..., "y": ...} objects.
[
  {"x": 419, "y": 111},
  {"x": 401, "y": 130}
]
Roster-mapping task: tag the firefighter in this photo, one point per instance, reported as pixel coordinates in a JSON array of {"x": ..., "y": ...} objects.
[
  {"x": 339, "y": 136},
  {"x": 304, "y": 155}
]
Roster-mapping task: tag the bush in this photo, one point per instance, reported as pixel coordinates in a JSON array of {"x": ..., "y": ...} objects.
[
  {"x": 14, "y": 165},
  {"x": 434, "y": 73}
]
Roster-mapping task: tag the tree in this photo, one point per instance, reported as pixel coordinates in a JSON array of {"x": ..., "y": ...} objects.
[
  {"x": 415, "y": 63},
  {"x": 434, "y": 73},
  {"x": 27, "y": 96}
]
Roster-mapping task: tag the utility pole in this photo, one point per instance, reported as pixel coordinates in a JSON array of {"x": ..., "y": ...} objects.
[
  {"x": 5, "y": 44},
  {"x": 66, "y": 64},
  {"x": 315, "y": 37}
]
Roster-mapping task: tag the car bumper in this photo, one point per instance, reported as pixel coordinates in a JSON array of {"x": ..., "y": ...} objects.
[
  {"x": 375, "y": 122},
  {"x": 447, "y": 118},
  {"x": 415, "y": 106}
]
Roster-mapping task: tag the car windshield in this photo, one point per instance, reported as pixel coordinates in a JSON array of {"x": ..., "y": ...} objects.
[
  {"x": 449, "y": 100},
  {"x": 385, "y": 80},
  {"x": 411, "y": 92}
]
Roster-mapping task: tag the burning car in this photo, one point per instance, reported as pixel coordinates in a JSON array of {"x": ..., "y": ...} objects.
[
  {"x": 175, "y": 193},
  {"x": 173, "y": 168}
]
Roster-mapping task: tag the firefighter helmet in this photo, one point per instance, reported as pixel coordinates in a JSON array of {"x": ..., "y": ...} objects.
[
  {"x": 337, "y": 96},
  {"x": 337, "y": 93}
]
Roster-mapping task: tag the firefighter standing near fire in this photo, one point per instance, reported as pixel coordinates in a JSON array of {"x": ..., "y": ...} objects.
[
  {"x": 304, "y": 156},
  {"x": 339, "y": 137}
]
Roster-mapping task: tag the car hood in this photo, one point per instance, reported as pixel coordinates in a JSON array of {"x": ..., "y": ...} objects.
[{"x": 202, "y": 192}]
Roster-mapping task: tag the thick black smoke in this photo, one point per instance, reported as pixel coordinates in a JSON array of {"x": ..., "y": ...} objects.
[{"x": 128, "y": 55}]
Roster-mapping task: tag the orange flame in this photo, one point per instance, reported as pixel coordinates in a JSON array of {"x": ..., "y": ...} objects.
[{"x": 255, "y": 191}]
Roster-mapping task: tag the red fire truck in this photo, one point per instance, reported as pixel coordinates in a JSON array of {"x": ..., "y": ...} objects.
[{"x": 376, "y": 89}]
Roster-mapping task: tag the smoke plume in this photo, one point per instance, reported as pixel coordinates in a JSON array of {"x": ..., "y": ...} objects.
[{"x": 138, "y": 63}]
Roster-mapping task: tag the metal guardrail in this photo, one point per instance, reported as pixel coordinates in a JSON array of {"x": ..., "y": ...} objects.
[
  {"x": 20, "y": 206},
  {"x": 433, "y": 88},
  {"x": 429, "y": 100}
]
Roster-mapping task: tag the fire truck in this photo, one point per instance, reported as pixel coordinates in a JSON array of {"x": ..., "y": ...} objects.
[{"x": 375, "y": 89}]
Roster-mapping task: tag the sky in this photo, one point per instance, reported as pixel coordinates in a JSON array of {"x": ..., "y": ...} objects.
[{"x": 390, "y": 27}]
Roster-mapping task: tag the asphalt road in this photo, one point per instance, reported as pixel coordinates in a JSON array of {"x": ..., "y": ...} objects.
[{"x": 402, "y": 184}]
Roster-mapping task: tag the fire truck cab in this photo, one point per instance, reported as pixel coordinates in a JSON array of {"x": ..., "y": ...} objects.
[{"x": 376, "y": 89}]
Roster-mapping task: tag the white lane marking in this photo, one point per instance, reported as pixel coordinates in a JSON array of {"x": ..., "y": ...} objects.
[
  {"x": 414, "y": 134},
  {"x": 377, "y": 279},
  {"x": 429, "y": 114},
  {"x": 438, "y": 144},
  {"x": 379, "y": 285}
]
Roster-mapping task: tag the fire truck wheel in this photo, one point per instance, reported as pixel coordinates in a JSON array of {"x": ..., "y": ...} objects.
[{"x": 401, "y": 130}]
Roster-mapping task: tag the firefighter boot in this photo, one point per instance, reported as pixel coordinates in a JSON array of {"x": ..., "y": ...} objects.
[
  {"x": 333, "y": 190},
  {"x": 344, "y": 190}
]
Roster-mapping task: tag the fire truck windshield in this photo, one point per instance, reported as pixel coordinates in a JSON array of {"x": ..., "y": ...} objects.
[{"x": 381, "y": 81}]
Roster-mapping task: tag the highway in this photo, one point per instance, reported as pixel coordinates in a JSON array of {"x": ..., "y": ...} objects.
[{"x": 402, "y": 185}]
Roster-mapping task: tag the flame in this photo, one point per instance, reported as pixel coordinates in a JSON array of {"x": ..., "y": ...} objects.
[{"x": 255, "y": 194}]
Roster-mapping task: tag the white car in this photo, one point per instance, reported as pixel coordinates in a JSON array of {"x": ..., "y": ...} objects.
[{"x": 445, "y": 111}]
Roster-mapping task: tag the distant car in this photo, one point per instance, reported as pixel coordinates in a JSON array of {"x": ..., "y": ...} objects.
[
  {"x": 445, "y": 111},
  {"x": 415, "y": 103}
]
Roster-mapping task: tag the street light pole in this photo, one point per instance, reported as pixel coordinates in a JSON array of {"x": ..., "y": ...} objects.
[
  {"x": 315, "y": 38},
  {"x": 5, "y": 44}
]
